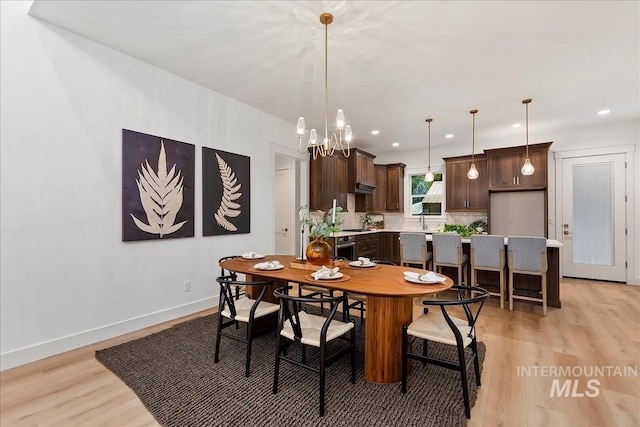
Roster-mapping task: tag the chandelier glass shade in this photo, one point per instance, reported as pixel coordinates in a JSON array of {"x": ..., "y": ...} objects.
[
  {"x": 429, "y": 176},
  {"x": 330, "y": 143},
  {"x": 527, "y": 168},
  {"x": 473, "y": 172}
]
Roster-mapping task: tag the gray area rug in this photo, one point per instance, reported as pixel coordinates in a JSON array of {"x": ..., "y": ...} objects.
[{"x": 173, "y": 374}]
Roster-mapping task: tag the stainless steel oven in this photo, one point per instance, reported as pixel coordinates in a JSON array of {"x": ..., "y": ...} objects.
[{"x": 345, "y": 247}]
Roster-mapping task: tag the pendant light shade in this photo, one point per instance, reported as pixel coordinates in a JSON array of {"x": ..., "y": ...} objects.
[
  {"x": 473, "y": 172},
  {"x": 527, "y": 168},
  {"x": 429, "y": 176}
]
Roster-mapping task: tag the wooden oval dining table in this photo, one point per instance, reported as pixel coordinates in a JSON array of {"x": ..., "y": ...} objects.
[{"x": 389, "y": 299}]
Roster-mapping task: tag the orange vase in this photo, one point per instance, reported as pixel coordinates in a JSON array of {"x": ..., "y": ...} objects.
[{"x": 319, "y": 252}]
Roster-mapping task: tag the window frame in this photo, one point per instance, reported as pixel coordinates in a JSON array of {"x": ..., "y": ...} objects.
[{"x": 409, "y": 172}]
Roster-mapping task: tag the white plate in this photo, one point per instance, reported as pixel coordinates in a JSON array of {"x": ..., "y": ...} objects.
[
  {"x": 335, "y": 276},
  {"x": 421, "y": 282},
  {"x": 254, "y": 256},
  {"x": 277, "y": 267},
  {"x": 357, "y": 264}
]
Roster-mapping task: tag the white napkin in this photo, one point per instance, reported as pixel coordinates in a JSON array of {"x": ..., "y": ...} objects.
[
  {"x": 364, "y": 261},
  {"x": 428, "y": 277},
  {"x": 250, "y": 254},
  {"x": 269, "y": 265},
  {"x": 324, "y": 272}
]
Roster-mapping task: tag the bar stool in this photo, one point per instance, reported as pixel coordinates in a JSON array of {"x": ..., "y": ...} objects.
[
  {"x": 487, "y": 253},
  {"x": 413, "y": 249},
  {"x": 447, "y": 252},
  {"x": 528, "y": 255}
]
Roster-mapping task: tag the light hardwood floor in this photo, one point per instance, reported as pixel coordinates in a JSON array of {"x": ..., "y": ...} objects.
[{"x": 598, "y": 325}]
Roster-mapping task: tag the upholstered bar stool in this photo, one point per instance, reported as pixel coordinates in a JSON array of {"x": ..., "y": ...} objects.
[
  {"x": 447, "y": 252},
  {"x": 413, "y": 249},
  {"x": 528, "y": 255},
  {"x": 487, "y": 253}
]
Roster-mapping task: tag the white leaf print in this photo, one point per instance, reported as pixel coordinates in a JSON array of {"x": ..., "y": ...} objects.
[
  {"x": 160, "y": 195},
  {"x": 227, "y": 208}
]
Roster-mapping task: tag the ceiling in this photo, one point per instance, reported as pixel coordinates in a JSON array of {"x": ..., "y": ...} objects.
[{"x": 392, "y": 64}]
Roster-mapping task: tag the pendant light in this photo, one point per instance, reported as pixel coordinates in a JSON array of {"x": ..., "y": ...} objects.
[
  {"x": 527, "y": 168},
  {"x": 473, "y": 172},
  {"x": 429, "y": 176}
]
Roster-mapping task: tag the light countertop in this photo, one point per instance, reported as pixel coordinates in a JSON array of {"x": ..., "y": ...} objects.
[{"x": 551, "y": 243}]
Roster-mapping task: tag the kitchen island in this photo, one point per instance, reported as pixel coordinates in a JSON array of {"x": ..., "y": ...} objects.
[{"x": 524, "y": 284}]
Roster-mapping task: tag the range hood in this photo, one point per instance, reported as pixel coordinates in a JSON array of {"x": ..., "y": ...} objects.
[{"x": 364, "y": 188}]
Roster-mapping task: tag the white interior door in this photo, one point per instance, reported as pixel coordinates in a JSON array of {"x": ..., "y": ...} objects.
[
  {"x": 594, "y": 220},
  {"x": 284, "y": 204}
]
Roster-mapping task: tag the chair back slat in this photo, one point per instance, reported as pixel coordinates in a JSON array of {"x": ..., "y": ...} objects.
[
  {"x": 291, "y": 307},
  {"x": 527, "y": 253},
  {"x": 487, "y": 251},
  {"x": 447, "y": 248},
  {"x": 413, "y": 246},
  {"x": 227, "y": 290}
]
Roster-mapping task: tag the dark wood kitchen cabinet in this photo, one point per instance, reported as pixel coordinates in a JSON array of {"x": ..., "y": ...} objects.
[
  {"x": 328, "y": 177},
  {"x": 390, "y": 246},
  {"x": 388, "y": 196},
  {"x": 395, "y": 188},
  {"x": 505, "y": 163},
  {"x": 361, "y": 172},
  {"x": 464, "y": 194},
  {"x": 368, "y": 245}
]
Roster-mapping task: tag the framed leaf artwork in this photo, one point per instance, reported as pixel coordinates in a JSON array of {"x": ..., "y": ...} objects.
[
  {"x": 157, "y": 187},
  {"x": 226, "y": 193}
]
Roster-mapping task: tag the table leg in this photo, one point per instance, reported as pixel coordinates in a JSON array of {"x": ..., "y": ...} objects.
[{"x": 383, "y": 337}]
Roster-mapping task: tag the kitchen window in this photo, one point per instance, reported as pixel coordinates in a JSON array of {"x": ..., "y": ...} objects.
[{"x": 427, "y": 198}]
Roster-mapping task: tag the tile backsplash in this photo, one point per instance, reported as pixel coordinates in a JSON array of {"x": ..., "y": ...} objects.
[{"x": 398, "y": 221}]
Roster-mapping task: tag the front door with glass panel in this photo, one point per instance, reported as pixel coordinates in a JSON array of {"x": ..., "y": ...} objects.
[{"x": 593, "y": 213}]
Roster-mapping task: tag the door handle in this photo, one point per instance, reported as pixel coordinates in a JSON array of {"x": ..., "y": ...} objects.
[
  {"x": 285, "y": 229},
  {"x": 566, "y": 232}
]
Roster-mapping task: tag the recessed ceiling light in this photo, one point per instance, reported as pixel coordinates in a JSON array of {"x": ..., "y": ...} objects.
[
  {"x": 603, "y": 112},
  {"x": 375, "y": 132},
  {"x": 449, "y": 136},
  {"x": 516, "y": 125},
  {"x": 396, "y": 144}
]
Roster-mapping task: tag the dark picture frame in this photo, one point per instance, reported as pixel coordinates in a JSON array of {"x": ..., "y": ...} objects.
[
  {"x": 157, "y": 187},
  {"x": 226, "y": 193}
]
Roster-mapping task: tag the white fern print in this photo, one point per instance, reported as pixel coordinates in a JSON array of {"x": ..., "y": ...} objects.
[
  {"x": 161, "y": 196},
  {"x": 228, "y": 208}
]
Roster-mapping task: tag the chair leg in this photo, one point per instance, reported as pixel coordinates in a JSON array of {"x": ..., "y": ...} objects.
[
  {"x": 276, "y": 371},
  {"x": 249, "y": 342},
  {"x": 322, "y": 378},
  {"x": 463, "y": 377},
  {"x": 502, "y": 289},
  {"x": 404, "y": 359},
  {"x": 424, "y": 351},
  {"x": 353, "y": 355},
  {"x": 476, "y": 361},
  {"x": 219, "y": 330},
  {"x": 544, "y": 293},
  {"x": 510, "y": 290}
]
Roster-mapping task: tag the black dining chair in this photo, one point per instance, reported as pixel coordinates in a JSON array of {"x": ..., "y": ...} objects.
[
  {"x": 239, "y": 290},
  {"x": 233, "y": 312},
  {"x": 443, "y": 328},
  {"x": 299, "y": 327}
]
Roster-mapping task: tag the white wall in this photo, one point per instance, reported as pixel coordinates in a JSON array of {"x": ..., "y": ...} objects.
[{"x": 67, "y": 279}]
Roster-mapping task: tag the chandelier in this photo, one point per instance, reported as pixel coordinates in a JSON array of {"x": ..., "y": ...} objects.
[{"x": 328, "y": 144}]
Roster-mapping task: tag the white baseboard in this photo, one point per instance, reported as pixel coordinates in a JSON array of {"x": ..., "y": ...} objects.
[{"x": 24, "y": 355}]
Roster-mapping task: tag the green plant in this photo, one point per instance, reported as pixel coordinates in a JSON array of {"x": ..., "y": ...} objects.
[
  {"x": 479, "y": 224},
  {"x": 366, "y": 220},
  {"x": 462, "y": 230},
  {"x": 319, "y": 222}
]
